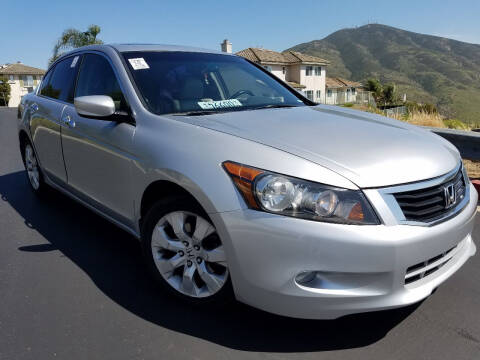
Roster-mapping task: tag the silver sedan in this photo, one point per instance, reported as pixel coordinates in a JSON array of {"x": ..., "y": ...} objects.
[{"x": 239, "y": 187}]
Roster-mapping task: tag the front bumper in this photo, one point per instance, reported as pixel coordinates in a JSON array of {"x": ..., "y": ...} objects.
[{"x": 362, "y": 268}]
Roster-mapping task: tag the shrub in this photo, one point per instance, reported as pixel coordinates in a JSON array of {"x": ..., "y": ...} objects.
[
  {"x": 4, "y": 91},
  {"x": 455, "y": 124}
]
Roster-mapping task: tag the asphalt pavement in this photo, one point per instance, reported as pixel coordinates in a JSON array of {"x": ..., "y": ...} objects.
[{"x": 73, "y": 286}]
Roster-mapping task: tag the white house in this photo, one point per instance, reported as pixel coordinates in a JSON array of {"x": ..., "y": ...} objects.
[
  {"x": 303, "y": 72},
  {"x": 22, "y": 80}
]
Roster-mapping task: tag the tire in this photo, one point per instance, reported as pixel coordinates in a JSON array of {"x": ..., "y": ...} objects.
[
  {"x": 33, "y": 170},
  {"x": 184, "y": 252}
]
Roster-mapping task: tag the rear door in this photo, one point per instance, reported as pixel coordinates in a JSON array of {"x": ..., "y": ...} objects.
[
  {"x": 98, "y": 153},
  {"x": 46, "y": 120}
]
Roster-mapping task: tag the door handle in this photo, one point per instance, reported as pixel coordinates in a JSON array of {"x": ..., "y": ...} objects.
[
  {"x": 67, "y": 120},
  {"x": 33, "y": 107}
]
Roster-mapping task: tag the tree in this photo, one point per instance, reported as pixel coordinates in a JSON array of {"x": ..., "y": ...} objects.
[
  {"x": 383, "y": 94},
  {"x": 389, "y": 95},
  {"x": 73, "y": 38},
  {"x": 376, "y": 88},
  {"x": 4, "y": 91}
]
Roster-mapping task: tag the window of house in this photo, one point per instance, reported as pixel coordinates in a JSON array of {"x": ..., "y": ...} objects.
[
  {"x": 10, "y": 77},
  {"x": 97, "y": 78},
  {"x": 267, "y": 67},
  {"x": 309, "y": 94},
  {"x": 329, "y": 93},
  {"x": 354, "y": 91},
  {"x": 318, "y": 70},
  {"x": 61, "y": 83},
  {"x": 309, "y": 70},
  {"x": 27, "y": 80},
  {"x": 284, "y": 70},
  {"x": 318, "y": 95}
]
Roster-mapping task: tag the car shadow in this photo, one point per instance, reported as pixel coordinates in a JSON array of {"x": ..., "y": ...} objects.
[{"x": 113, "y": 260}]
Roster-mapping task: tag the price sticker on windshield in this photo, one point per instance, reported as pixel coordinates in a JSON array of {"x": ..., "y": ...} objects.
[
  {"x": 138, "y": 63},
  {"x": 221, "y": 104}
]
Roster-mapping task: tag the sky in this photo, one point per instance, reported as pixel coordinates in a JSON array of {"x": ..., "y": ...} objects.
[{"x": 30, "y": 29}]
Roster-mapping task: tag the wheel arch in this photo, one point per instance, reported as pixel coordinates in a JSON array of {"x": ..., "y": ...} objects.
[
  {"x": 161, "y": 189},
  {"x": 23, "y": 140}
]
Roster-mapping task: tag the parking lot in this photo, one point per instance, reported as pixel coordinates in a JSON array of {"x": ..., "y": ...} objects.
[{"x": 73, "y": 286}]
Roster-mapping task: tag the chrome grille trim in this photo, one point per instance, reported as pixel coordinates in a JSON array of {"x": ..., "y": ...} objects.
[
  {"x": 393, "y": 211},
  {"x": 429, "y": 204}
]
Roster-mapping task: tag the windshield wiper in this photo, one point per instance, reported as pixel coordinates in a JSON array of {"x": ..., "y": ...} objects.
[
  {"x": 197, "y": 113},
  {"x": 274, "y": 106}
]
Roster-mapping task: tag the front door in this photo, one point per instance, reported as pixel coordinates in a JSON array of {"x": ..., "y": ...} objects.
[{"x": 98, "y": 153}]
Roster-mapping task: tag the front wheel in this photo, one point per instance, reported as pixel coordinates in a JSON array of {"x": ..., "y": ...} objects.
[{"x": 185, "y": 253}]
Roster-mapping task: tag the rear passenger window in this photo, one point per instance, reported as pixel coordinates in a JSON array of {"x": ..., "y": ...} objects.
[
  {"x": 61, "y": 84},
  {"x": 97, "y": 78},
  {"x": 44, "y": 85}
]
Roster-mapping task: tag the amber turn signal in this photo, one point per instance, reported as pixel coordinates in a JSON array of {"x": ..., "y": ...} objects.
[
  {"x": 243, "y": 177},
  {"x": 356, "y": 214}
]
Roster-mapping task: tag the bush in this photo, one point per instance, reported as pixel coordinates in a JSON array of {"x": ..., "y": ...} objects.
[
  {"x": 348, "y": 105},
  {"x": 4, "y": 91},
  {"x": 455, "y": 124}
]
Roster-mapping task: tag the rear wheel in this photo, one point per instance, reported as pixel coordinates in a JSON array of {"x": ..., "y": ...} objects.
[
  {"x": 34, "y": 174},
  {"x": 185, "y": 252}
]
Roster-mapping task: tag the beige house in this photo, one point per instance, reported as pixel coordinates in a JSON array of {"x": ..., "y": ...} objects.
[
  {"x": 22, "y": 80},
  {"x": 303, "y": 72}
]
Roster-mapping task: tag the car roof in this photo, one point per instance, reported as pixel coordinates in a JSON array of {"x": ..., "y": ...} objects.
[
  {"x": 141, "y": 47},
  {"x": 161, "y": 47},
  {"x": 144, "y": 47}
]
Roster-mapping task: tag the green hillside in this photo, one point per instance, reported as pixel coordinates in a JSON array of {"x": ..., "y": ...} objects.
[{"x": 427, "y": 68}]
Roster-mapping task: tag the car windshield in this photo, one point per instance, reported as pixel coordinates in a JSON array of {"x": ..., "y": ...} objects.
[{"x": 201, "y": 83}]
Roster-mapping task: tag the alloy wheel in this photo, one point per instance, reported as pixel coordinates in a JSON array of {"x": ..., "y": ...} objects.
[
  {"x": 189, "y": 255},
  {"x": 31, "y": 165}
]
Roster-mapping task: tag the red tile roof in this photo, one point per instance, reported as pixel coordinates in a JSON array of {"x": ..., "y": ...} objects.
[
  {"x": 335, "y": 83},
  {"x": 264, "y": 56},
  {"x": 20, "y": 69}
]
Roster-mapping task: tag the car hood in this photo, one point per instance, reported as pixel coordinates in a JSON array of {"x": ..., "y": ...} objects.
[{"x": 367, "y": 149}]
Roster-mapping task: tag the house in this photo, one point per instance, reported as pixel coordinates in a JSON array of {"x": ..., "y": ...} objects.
[
  {"x": 341, "y": 91},
  {"x": 22, "y": 80},
  {"x": 303, "y": 72}
]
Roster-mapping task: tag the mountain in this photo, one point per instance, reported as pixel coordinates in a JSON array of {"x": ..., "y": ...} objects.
[{"x": 427, "y": 68}]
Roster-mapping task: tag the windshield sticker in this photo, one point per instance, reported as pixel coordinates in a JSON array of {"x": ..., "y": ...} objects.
[
  {"x": 74, "y": 62},
  {"x": 221, "y": 104},
  {"x": 138, "y": 63}
]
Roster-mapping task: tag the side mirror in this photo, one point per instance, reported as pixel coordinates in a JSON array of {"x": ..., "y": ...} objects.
[{"x": 96, "y": 106}]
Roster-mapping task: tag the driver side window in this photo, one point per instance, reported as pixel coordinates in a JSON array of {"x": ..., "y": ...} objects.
[{"x": 97, "y": 78}]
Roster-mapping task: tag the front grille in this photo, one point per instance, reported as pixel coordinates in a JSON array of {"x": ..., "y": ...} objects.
[
  {"x": 430, "y": 204},
  {"x": 425, "y": 268}
]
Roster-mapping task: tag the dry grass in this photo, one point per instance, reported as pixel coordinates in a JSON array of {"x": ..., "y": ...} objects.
[
  {"x": 425, "y": 119},
  {"x": 422, "y": 119},
  {"x": 473, "y": 168}
]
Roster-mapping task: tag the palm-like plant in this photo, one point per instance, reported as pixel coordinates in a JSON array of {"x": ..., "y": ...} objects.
[{"x": 73, "y": 38}]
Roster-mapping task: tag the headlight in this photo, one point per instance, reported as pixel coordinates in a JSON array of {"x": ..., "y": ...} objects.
[{"x": 284, "y": 195}]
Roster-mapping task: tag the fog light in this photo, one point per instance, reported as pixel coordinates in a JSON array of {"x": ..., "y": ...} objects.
[{"x": 305, "y": 277}]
